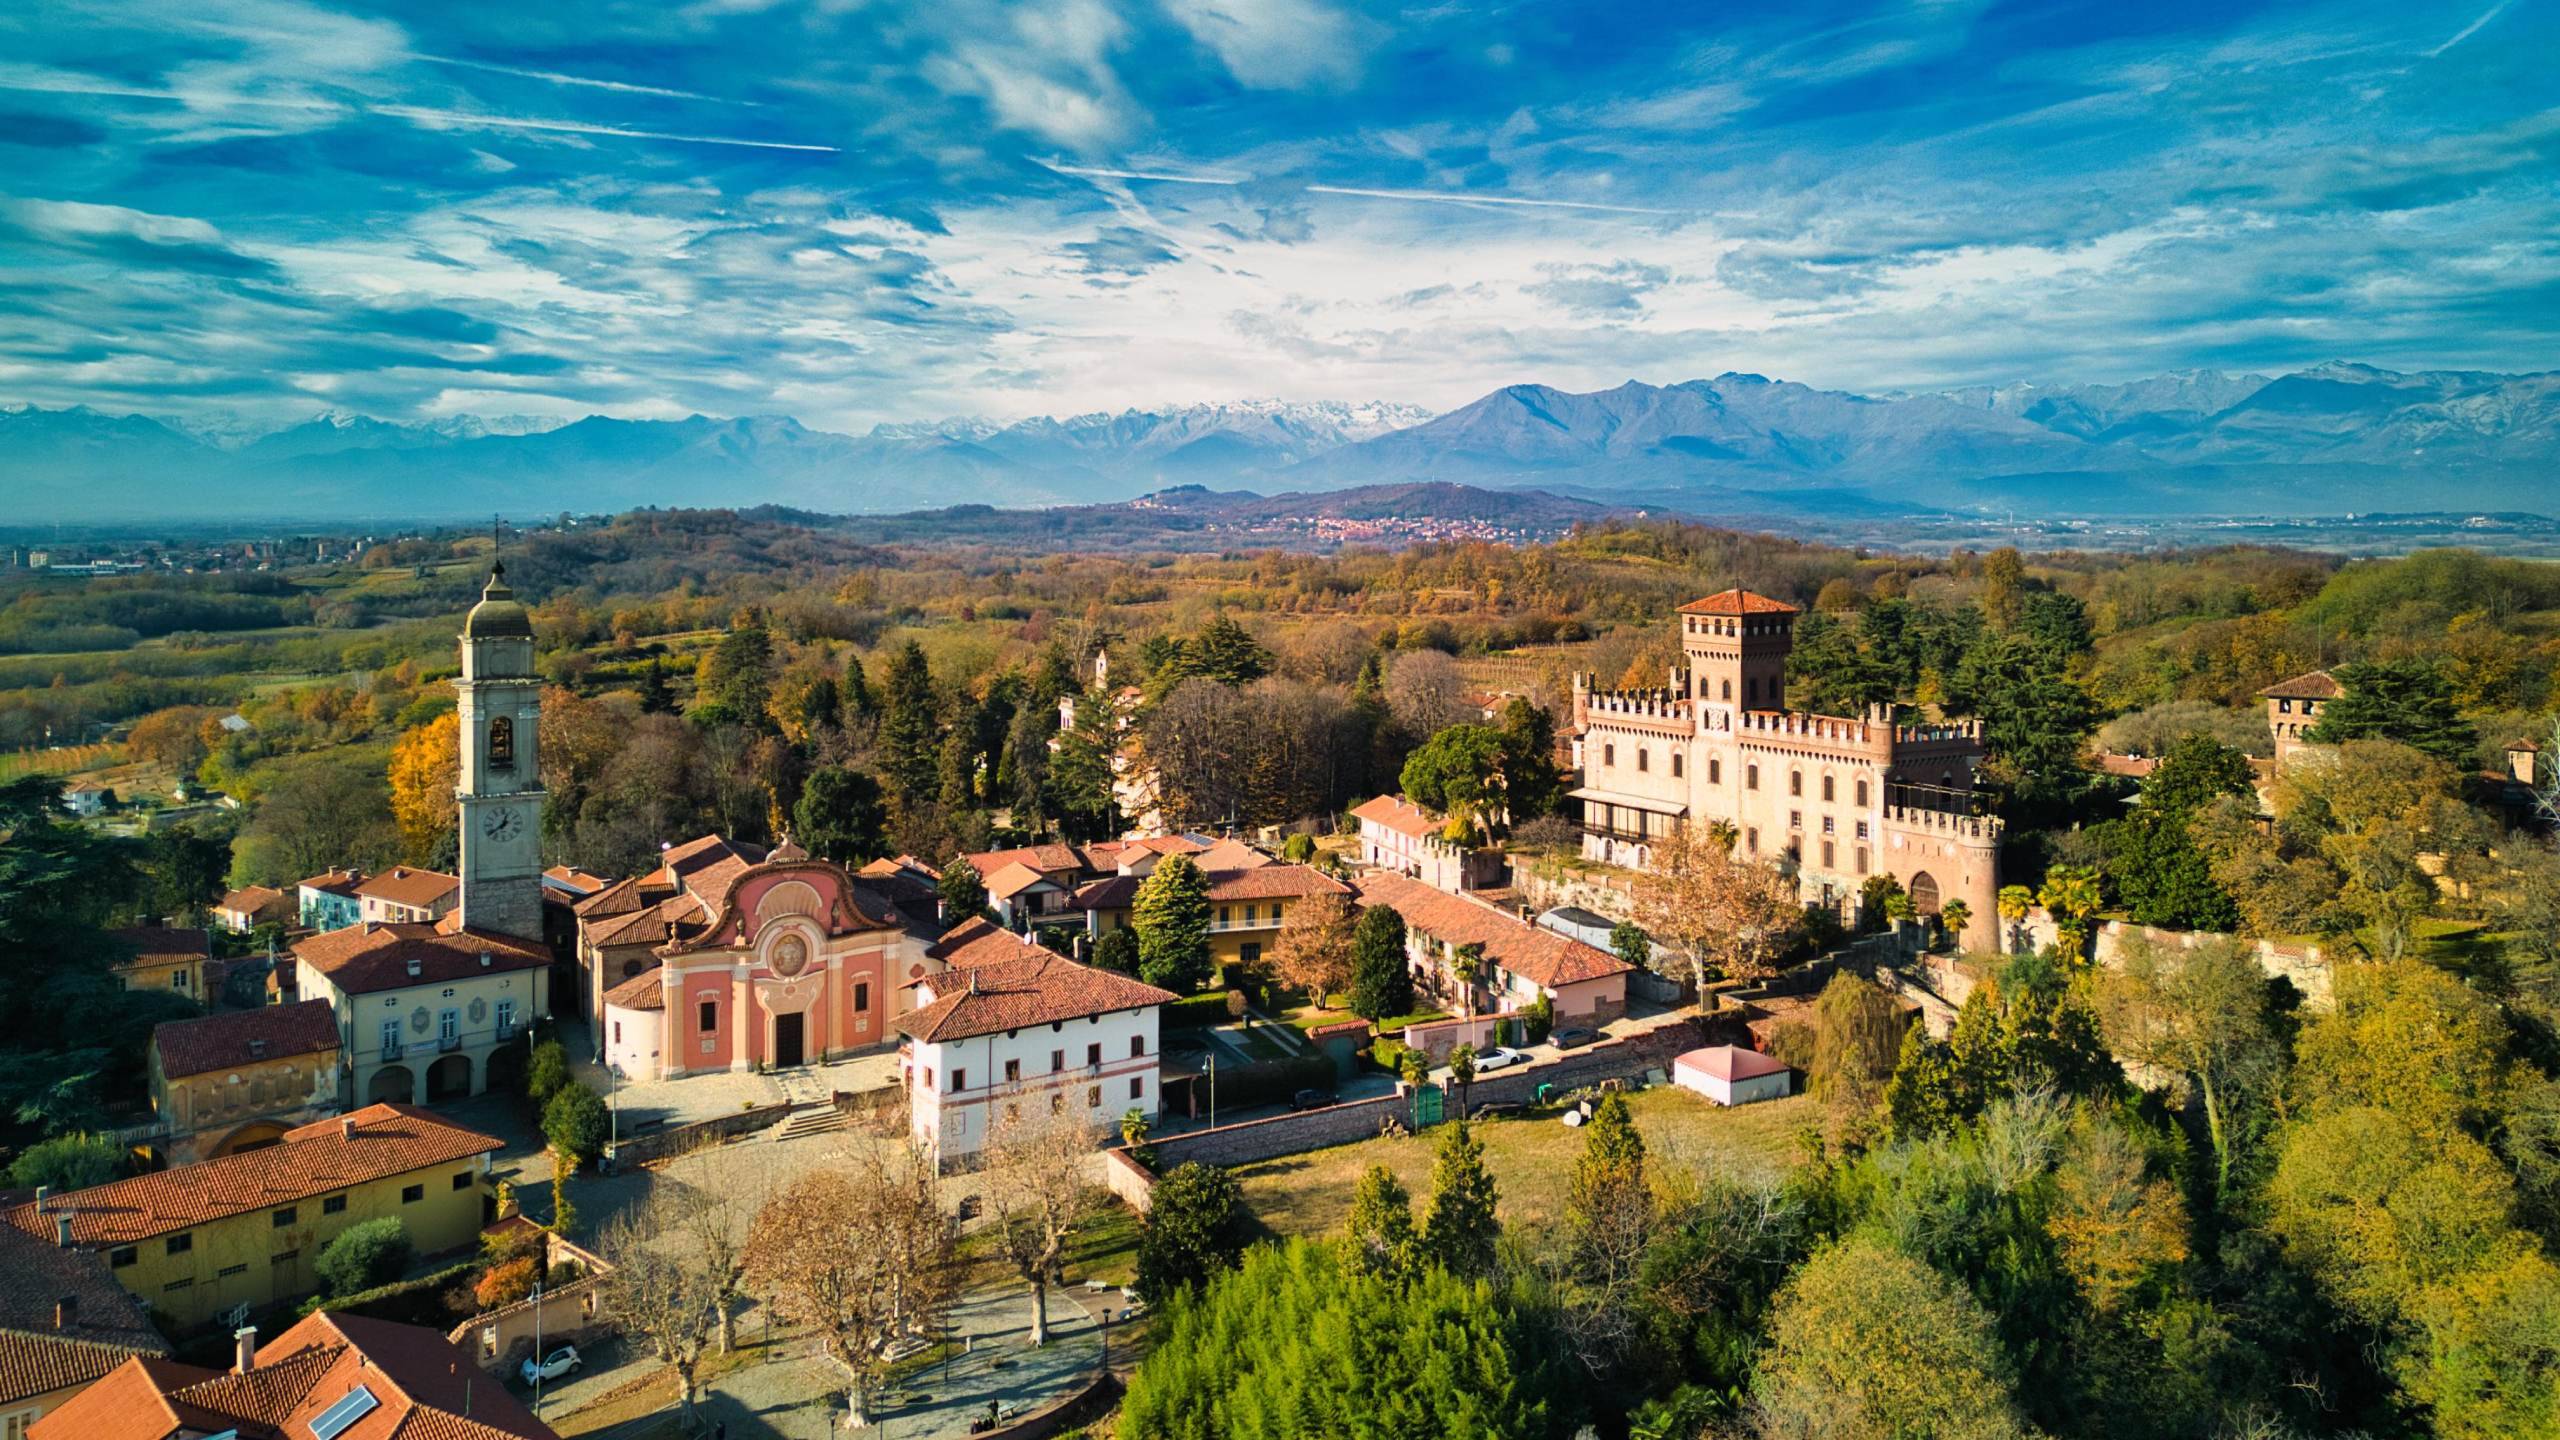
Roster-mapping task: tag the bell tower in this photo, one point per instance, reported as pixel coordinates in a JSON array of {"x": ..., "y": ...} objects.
[
  {"x": 1736, "y": 643},
  {"x": 500, "y": 785}
]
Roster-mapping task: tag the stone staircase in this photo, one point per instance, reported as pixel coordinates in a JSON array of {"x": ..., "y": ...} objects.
[{"x": 816, "y": 1120}]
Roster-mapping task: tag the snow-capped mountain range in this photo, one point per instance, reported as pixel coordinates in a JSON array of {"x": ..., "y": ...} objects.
[{"x": 2335, "y": 437}]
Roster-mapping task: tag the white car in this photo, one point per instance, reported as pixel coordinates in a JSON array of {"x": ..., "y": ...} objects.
[
  {"x": 558, "y": 1363},
  {"x": 1499, "y": 1058}
]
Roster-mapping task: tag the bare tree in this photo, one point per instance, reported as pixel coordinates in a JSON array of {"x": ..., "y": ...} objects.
[
  {"x": 1038, "y": 1190},
  {"x": 718, "y": 1231},
  {"x": 861, "y": 1255},
  {"x": 1313, "y": 951},
  {"x": 1718, "y": 912},
  {"x": 661, "y": 1287},
  {"x": 1426, "y": 694}
]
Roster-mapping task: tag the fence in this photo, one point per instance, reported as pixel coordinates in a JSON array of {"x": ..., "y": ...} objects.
[{"x": 660, "y": 1144}]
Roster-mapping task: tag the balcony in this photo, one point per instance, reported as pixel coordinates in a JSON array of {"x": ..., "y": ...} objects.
[
  {"x": 394, "y": 1050},
  {"x": 509, "y": 1031},
  {"x": 446, "y": 1043}
]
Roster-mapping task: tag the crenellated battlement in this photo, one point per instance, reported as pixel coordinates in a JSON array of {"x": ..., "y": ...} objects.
[
  {"x": 1983, "y": 829},
  {"x": 1797, "y": 725},
  {"x": 1944, "y": 732},
  {"x": 1635, "y": 704}
]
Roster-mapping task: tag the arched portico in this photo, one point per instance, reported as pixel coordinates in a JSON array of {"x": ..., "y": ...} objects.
[
  {"x": 393, "y": 1085},
  {"x": 449, "y": 1078}
]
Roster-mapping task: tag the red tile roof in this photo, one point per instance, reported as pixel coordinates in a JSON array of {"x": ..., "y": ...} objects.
[
  {"x": 244, "y": 1037},
  {"x": 1737, "y": 601},
  {"x": 388, "y": 1140},
  {"x": 1047, "y": 859},
  {"x": 47, "y": 1346},
  {"x": 335, "y": 882},
  {"x": 163, "y": 944},
  {"x": 1542, "y": 957},
  {"x": 407, "y": 885},
  {"x": 644, "y": 991},
  {"x": 980, "y": 941},
  {"x": 1729, "y": 1062},
  {"x": 1014, "y": 878},
  {"x": 1272, "y": 881},
  {"x": 2309, "y": 685},
  {"x": 424, "y": 1388},
  {"x": 364, "y": 959},
  {"x": 1035, "y": 989},
  {"x": 1398, "y": 814},
  {"x": 252, "y": 900}
]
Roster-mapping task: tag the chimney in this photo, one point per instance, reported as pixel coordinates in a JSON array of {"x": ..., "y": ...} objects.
[
  {"x": 62, "y": 1231},
  {"x": 346, "y": 1127},
  {"x": 42, "y": 1191},
  {"x": 66, "y": 1312},
  {"x": 973, "y": 979},
  {"x": 244, "y": 1349}
]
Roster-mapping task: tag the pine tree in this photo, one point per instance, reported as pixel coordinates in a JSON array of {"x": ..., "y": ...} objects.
[
  {"x": 910, "y": 728},
  {"x": 657, "y": 697},
  {"x": 1610, "y": 1201},
  {"x": 1459, "y": 1226},
  {"x": 2409, "y": 701},
  {"x": 1378, "y": 1236}
]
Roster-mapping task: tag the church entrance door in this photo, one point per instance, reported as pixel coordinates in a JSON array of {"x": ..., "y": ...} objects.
[{"x": 786, "y": 1039}]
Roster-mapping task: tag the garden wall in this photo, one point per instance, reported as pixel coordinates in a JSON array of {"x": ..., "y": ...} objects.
[
  {"x": 500, "y": 1339},
  {"x": 662, "y": 1144},
  {"x": 2307, "y": 966}
]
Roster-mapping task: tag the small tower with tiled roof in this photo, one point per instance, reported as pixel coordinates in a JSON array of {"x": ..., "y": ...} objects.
[
  {"x": 2293, "y": 707},
  {"x": 1737, "y": 644}
]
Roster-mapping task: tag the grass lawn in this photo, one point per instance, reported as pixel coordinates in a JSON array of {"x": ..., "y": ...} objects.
[{"x": 1531, "y": 1159}]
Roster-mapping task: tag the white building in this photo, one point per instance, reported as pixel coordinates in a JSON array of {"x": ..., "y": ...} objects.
[
  {"x": 1015, "y": 1033},
  {"x": 1398, "y": 835},
  {"x": 1731, "y": 1075}
]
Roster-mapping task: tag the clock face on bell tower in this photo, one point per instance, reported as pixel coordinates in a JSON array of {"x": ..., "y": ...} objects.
[{"x": 499, "y": 786}]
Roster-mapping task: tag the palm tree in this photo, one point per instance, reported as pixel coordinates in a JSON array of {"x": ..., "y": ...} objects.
[
  {"x": 2070, "y": 893},
  {"x": 1955, "y": 915}
]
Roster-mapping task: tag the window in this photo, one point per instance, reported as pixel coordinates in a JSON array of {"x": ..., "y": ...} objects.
[
  {"x": 1751, "y": 839},
  {"x": 1013, "y": 1070},
  {"x": 959, "y": 1079},
  {"x": 502, "y": 742},
  {"x": 1093, "y": 1054},
  {"x": 1862, "y": 829},
  {"x": 1750, "y": 777},
  {"x": 1137, "y": 1045},
  {"x": 1644, "y": 758},
  {"x": 1826, "y": 824},
  {"x": 1715, "y": 771},
  {"x": 1249, "y": 954},
  {"x": 179, "y": 1285},
  {"x": 412, "y": 1194},
  {"x": 334, "y": 1205},
  {"x": 1093, "y": 1097},
  {"x": 1862, "y": 792},
  {"x": 617, "y": 1032},
  {"x": 279, "y": 1219},
  {"x": 861, "y": 997},
  {"x": 1137, "y": 1087},
  {"x": 708, "y": 1013},
  {"x": 928, "y": 1077},
  {"x": 227, "y": 1271},
  {"x": 1795, "y": 819},
  {"x": 1862, "y": 859},
  {"x": 1826, "y": 789},
  {"x": 122, "y": 1256},
  {"x": 1795, "y": 782},
  {"x": 1728, "y": 690},
  {"x": 1608, "y": 754},
  {"x": 177, "y": 979},
  {"x": 449, "y": 1027},
  {"x": 461, "y": 1179},
  {"x": 1057, "y": 1061},
  {"x": 1225, "y": 913},
  {"x": 1676, "y": 766},
  {"x": 390, "y": 1037},
  {"x": 506, "y": 1017},
  {"x": 285, "y": 1257},
  {"x": 181, "y": 1244},
  {"x": 1827, "y": 860}
]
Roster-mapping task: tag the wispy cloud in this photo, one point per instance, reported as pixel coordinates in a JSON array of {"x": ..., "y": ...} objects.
[
  {"x": 554, "y": 77},
  {"x": 2474, "y": 28}
]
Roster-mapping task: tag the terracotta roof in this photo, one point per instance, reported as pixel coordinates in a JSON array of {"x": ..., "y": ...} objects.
[
  {"x": 581, "y": 882},
  {"x": 1048, "y": 859},
  {"x": 1729, "y": 1062},
  {"x": 644, "y": 991},
  {"x": 244, "y": 1037},
  {"x": 1263, "y": 882},
  {"x": 424, "y": 1387},
  {"x": 683, "y": 860},
  {"x": 163, "y": 944},
  {"x": 648, "y": 925},
  {"x": 721, "y": 924},
  {"x": 2138, "y": 767},
  {"x": 980, "y": 941},
  {"x": 2309, "y": 685},
  {"x": 1013, "y": 879},
  {"x": 1231, "y": 855},
  {"x": 334, "y": 882},
  {"x": 1034, "y": 989},
  {"x": 1738, "y": 601},
  {"x": 315, "y": 1159},
  {"x": 1398, "y": 814},
  {"x": 251, "y": 899},
  {"x": 898, "y": 864},
  {"x": 363, "y": 959},
  {"x": 407, "y": 885},
  {"x": 45, "y": 1346},
  {"x": 1542, "y": 957}
]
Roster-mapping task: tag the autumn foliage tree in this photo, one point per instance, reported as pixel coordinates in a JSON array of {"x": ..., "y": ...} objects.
[
  {"x": 425, "y": 764},
  {"x": 1313, "y": 952},
  {"x": 862, "y": 1256},
  {"x": 1722, "y": 916}
]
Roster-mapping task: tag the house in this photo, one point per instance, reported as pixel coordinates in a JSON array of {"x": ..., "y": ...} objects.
[
  {"x": 2294, "y": 706},
  {"x": 64, "y": 1324},
  {"x": 433, "y": 998},
  {"x": 1731, "y": 1075},
  {"x": 199, "y": 1240},
  {"x": 1398, "y": 835},
  {"x": 251, "y": 906},
  {"x": 1836, "y": 798},
  {"x": 1247, "y": 903},
  {"x": 331, "y": 1376},
  {"x": 1521, "y": 962},
  {"x": 406, "y": 895},
  {"x": 328, "y": 901},
  {"x": 86, "y": 799},
  {"x": 221, "y": 1084},
  {"x": 165, "y": 957},
  {"x": 1022, "y": 896},
  {"x": 1010, "y": 1032}
]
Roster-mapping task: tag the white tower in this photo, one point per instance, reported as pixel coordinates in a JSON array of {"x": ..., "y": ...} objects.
[{"x": 500, "y": 787}]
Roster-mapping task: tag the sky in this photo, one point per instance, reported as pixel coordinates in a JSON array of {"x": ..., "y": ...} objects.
[{"x": 855, "y": 211}]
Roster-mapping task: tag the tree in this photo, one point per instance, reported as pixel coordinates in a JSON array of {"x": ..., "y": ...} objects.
[
  {"x": 2380, "y": 1211},
  {"x": 1381, "y": 983},
  {"x": 321, "y": 810},
  {"x": 1720, "y": 915},
  {"x": 1857, "y": 1041},
  {"x": 963, "y": 890},
  {"x": 861, "y": 1256},
  {"x": 841, "y": 815},
  {"x": 1631, "y": 945},
  {"x": 1955, "y": 915},
  {"x": 668, "y": 1296},
  {"x": 574, "y": 1122},
  {"x": 1532, "y": 784},
  {"x": 546, "y": 1073},
  {"x": 734, "y": 685},
  {"x": 1378, "y": 1238},
  {"x": 2201, "y": 1014},
  {"x": 657, "y": 696},
  {"x": 2408, "y": 1038},
  {"x": 1425, "y": 694},
  {"x": 68, "y": 1162},
  {"x": 2070, "y": 894},
  {"x": 1458, "y": 1222},
  {"x": 2406, "y": 701},
  {"x": 1866, "y": 1343},
  {"x": 1609, "y": 1203},
  {"x": 424, "y": 765},
  {"x": 173, "y": 738},
  {"x": 179, "y": 872},
  {"x": 1171, "y": 915},
  {"x": 1312, "y": 954},
  {"x": 2035, "y": 719},
  {"x": 910, "y": 728},
  {"x": 1458, "y": 772},
  {"x": 1117, "y": 951},
  {"x": 1036, "y": 1195},
  {"x": 362, "y": 1256},
  {"x": 1195, "y": 1226}
]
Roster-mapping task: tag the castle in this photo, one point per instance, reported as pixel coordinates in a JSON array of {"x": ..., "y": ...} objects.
[{"x": 1838, "y": 799}]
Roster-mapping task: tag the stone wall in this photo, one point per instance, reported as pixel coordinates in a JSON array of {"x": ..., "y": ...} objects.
[
  {"x": 2307, "y": 966},
  {"x": 499, "y": 1340},
  {"x": 1549, "y": 885},
  {"x": 661, "y": 1144}
]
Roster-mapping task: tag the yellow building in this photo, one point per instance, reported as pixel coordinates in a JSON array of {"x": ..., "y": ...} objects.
[
  {"x": 240, "y": 1080},
  {"x": 200, "y": 1240},
  {"x": 1246, "y": 904},
  {"x": 164, "y": 958}
]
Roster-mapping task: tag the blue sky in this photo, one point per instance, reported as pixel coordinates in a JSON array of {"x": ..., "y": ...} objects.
[{"x": 868, "y": 210}]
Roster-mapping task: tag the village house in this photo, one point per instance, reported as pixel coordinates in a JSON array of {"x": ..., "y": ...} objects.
[
  {"x": 422, "y": 1000},
  {"x": 1520, "y": 962},
  {"x": 331, "y": 1376},
  {"x": 199, "y": 1240},
  {"x": 1834, "y": 799},
  {"x": 222, "y": 1084},
  {"x": 2293, "y": 708},
  {"x": 64, "y": 1324},
  {"x": 1013, "y": 1033},
  {"x": 247, "y": 908},
  {"x": 328, "y": 900},
  {"x": 621, "y": 926},
  {"x": 406, "y": 895},
  {"x": 1247, "y": 901},
  {"x": 165, "y": 957},
  {"x": 1398, "y": 835},
  {"x": 87, "y": 800}
]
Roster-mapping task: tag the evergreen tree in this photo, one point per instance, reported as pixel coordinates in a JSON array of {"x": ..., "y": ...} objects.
[
  {"x": 1532, "y": 785},
  {"x": 1024, "y": 773},
  {"x": 1610, "y": 1201},
  {"x": 1171, "y": 915},
  {"x": 1381, "y": 983},
  {"x": 2152, "y": 856},
  {"x": 855, "y": 702},
  {"x": 1378, "y": 1237},
  {"x": 1629, "y": 943},
  {"x": 1226, "y": 652},
  {"x": 1117, "y": 951},
  {"x": 963, "y": 890},
  {"x": 2409, "y": 701},
  {"x": 1195, "y": 1226},
  {"x": 657, "y": 697},
  {"x": 1458, "y": 1224},
  {"x": 840, "y": 816},
  {"x": 735, "y": 683},
  {"x": 910, "y": 740}
]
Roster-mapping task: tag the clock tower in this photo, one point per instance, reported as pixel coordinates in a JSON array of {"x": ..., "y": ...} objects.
[{"x": 500, "y": 785}]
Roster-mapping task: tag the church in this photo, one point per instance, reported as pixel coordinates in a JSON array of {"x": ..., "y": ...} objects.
[{"x": 1836, "y": 798}]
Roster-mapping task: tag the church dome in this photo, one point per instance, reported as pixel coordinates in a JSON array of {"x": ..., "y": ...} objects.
[{"x": 498, "y": 616}]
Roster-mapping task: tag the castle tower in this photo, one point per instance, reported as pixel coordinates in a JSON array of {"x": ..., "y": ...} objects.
[
  {"x": 2293, "y": 709},
  {"x": 500, "y": 785},
  {"x": 1737, "y": 644}
]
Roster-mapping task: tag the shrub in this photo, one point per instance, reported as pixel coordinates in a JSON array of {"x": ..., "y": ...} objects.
[
  {"x": 545, "y": 1074},
  {"x": 504, "y": 1284},
  {"x": 575, "y": 1123},
  {"x": 364, "y": 1257},
  {"x": 68, "y": 1162}
]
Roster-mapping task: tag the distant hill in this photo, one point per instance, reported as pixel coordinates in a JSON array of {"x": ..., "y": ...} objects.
[{"x": 2333, "y": 438}]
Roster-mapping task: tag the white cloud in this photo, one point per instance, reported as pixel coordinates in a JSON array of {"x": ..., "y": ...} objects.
[{"x": 1273, "y": 44}]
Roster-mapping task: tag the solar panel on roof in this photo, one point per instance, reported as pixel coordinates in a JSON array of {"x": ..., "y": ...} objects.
[{"x": 353, "y": 1406}]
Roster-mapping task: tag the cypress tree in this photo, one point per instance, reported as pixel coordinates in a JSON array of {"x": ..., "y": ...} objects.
[{"x": 1459, "y": 1226}]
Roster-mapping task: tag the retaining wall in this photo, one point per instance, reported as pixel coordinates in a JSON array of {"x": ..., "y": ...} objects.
[
  {"x": 2307, "y": 966},
  {"x": 661, "y": 1144}
]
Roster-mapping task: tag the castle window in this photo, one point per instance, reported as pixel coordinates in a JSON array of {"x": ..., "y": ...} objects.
[
  {"x": 1862, "y": 859},
  {"x": 502, "y": 742},
  {"x": 1750, "y": 777},
  {"x": 1715, "y": 771},
  {"x": 1862, "y": 829},
  {"x": 1862, "y": 794},
  {"x": 1644, "y": 759},
  {"x": 1827, "y": 860},
  {"x": 1795, "y": 782},
  {"x": 1795, "y": 819},
  {"x": 1751, "y": 839},
  {"x": 1676, "y": 766},
  {"x": 1826, "y": 824},
  {"x": 1826, "y": 789},
  {"x": 1728, "y": 690},
  {"x": 1608, "y": 754}
]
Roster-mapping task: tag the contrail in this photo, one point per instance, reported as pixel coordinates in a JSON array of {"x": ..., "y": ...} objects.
[
  {"x": 1444, "y": 197},
  {"x": 556, "y": 78},
  {"x": 2467, "y": 31}
]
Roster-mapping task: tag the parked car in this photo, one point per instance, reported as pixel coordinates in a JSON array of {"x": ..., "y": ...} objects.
[
  {"x": 1311, "y": 1100},
  {"x": 559, "y": 1362},
  {"x": 1573, "y": 1037},
  {"x": 1500, "y": 1057}
]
